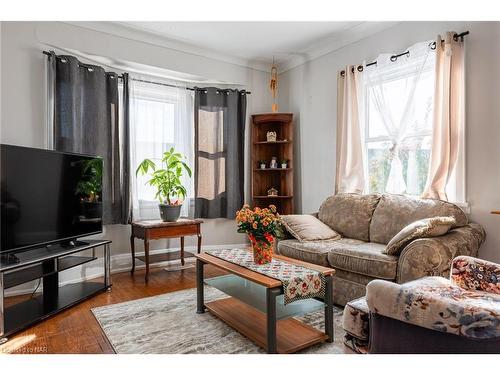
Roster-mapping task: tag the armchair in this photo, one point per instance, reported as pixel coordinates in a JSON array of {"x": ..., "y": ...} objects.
[{"x": 437, "y": 315}]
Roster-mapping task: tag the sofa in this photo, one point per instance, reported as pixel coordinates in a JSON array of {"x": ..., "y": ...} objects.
[{"x": 366, "y": 224}]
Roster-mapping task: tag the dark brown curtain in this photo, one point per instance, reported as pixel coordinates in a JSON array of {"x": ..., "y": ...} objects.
[
  {"x": 219, "y": 152},
  {"x": 86, "y": 114}
]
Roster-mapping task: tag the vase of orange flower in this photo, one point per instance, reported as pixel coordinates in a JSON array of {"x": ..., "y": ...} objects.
[{"x": 262, "y": 227}]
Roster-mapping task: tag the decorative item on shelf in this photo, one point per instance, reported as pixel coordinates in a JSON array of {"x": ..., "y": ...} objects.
[
  {"x": 262, "y": 164},
  {"x": 284, "y": 163},
  {"x": 272, "y": 192},
  {"x": 273, "y": 85},
  {"x": 271, "y": 136},
  {"x": 170, "y": 190},
  {"x": 274, "y": 162},
  {"x": 262, "y": 225}
]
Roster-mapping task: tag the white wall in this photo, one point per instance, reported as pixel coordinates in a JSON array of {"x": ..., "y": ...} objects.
[
  {"x": 23, "y": 94},
  {"x": 311, "y": 90}
]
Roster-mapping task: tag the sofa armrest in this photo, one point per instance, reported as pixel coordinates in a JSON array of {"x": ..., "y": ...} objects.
[
  {"x": 433, "y": 256},
  {"x": 476, "y": 274}
]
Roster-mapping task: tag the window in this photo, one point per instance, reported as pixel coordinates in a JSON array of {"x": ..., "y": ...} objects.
[
  {"x": 161, "y": 117},
  {"x": 156, "y": 136},
  {"x": 398, "y": 124}
]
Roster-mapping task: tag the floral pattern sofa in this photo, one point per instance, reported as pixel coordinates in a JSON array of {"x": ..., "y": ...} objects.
[
  {"x": 434, "y": 314},
  {"x": 367, "y": 223}
]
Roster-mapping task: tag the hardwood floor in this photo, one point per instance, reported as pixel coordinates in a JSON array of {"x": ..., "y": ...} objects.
[{"x": 76, "y": 330}]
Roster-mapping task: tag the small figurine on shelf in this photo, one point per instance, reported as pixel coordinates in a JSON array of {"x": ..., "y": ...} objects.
[
  {"x": 284, "y": 163},
  {"x": 262, "y": 164},
  {"x": 272, "y": 192},
  {"x": 271, "y": 136},
  {"x": 274, "y": 163}
]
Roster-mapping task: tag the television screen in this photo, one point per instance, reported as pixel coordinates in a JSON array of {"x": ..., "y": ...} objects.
[{"x": 48, "y": 196}]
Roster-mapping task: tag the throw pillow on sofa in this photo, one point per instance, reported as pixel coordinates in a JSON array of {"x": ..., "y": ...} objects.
[
  {"x": 431, "y": 227},
  {"x": 308, "y": 228}
]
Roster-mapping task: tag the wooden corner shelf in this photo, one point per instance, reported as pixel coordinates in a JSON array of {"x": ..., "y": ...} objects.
[
  {"x": 273, "y": 169},
  {"x": 280, "y": 179},
  {"x": 272, "y": 143},
  {"x": 272, "y": 196}
]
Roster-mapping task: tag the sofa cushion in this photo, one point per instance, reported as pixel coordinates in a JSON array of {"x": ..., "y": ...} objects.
[
  {"x": 366, "y": 258},
  {"x": 431, "y": 227},
  {"x": 308, "y": 228},
  {"x": 394, "y": 212},
  {"x": 349, "y": 214},
  {"x": 312, "y": 252}
]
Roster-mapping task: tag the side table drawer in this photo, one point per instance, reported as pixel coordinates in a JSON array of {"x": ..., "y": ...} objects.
[{"x": 174, "y": 231}]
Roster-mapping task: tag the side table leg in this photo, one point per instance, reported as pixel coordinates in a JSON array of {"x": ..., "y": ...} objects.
[
  {"x": 182, "y": 251},
  {"x": 271, "y": 295},
  {"x": 200, "y": 299},
  {"x": 146, "y": 253},
  {"x": 329, "y": 308},
  {"x": 199, "y": 241},
  {"x": 132, "y": 248}
]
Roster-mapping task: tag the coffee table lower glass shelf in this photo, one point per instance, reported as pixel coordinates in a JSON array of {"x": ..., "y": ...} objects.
[{"x": 254, "y": 295}]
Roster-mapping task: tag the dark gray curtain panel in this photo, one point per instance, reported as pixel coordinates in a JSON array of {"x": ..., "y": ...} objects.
[
  {"x": 219, "y": 121},
  {"x": 86, "y": 120}
]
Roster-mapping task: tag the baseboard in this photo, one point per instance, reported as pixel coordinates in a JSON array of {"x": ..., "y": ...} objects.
[{"x": 119, "y": 263}]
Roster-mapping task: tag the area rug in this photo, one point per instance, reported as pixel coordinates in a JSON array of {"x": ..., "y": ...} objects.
[{"x": 168, "y": 324}]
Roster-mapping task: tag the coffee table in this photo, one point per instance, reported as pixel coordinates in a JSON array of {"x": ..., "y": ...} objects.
[{"x": 256, "y": 306}]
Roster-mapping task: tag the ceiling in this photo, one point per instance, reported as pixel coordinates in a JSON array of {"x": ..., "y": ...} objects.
[{"x": 252, "y": 44}]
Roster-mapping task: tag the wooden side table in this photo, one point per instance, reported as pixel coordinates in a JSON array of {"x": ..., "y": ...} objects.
[{"x": 155, "y": 230}]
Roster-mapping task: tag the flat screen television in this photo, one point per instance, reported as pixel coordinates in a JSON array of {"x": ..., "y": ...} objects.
[{"x": 47, "y": 197}]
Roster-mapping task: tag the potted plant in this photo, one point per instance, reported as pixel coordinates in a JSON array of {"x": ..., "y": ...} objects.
[
  {"x": 90, "y": 188},
  {"x": 262, "y": 226},
  {"x": 284, "y": 163},
  {"x": 262, "y": 164},
  {"x": 170, "y": 191}
]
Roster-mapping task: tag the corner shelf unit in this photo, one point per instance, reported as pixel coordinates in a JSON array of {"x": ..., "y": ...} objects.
[{"x": 278, "y": 178}]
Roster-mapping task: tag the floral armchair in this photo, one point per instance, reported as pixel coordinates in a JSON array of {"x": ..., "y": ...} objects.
[{"x": 437, "y": 315}]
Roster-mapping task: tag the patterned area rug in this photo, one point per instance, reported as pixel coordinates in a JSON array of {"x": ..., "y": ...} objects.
[{"x": 168, "y": 324}]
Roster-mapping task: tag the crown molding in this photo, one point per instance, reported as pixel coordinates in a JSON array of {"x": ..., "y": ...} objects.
[
  {"x": 128, "y": 32},
  {"x": 335, "y": 42},
  {"x": 318, "y": 49}
]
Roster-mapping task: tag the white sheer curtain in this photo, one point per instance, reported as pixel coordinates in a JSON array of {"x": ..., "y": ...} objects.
[
  {"x": 160, "y": 117},
  {"x": 391, "y": 88}
]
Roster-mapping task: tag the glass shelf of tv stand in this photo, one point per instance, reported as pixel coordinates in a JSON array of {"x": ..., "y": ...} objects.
[{"x": 254, "y": 295}]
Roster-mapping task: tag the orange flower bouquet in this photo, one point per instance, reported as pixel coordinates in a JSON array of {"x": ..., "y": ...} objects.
[{"x": 261, "y": 225}]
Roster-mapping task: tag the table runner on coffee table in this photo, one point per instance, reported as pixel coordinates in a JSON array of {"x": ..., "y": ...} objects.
[{"x": 299, "y": 282}]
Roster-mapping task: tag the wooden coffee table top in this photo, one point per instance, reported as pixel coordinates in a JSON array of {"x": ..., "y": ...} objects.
[{"x": 256, "y": 277}]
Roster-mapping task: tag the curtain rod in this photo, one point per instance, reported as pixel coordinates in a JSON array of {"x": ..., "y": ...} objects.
[
  {"x": 395, "y": 57},
  {"x": 120, "y": 76}
]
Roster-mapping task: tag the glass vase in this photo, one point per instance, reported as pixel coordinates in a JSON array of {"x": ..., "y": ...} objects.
[{"x": 262, "y": 251}]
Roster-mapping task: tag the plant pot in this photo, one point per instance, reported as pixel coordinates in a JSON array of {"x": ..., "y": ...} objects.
[
  {"x": 262, "y": 251},
  {"x": 92, "y": 210},
  {"x": 170, "y": 213},
  {"x": 283, "y": 166},
  {"x": 262, "y": 166}
]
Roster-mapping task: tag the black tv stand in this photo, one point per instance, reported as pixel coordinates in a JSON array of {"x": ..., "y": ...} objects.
[
  {"x": 47, "y": 263},
  {"x": 9, "y": 259},
  {"x": 67, "y": 244}
]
